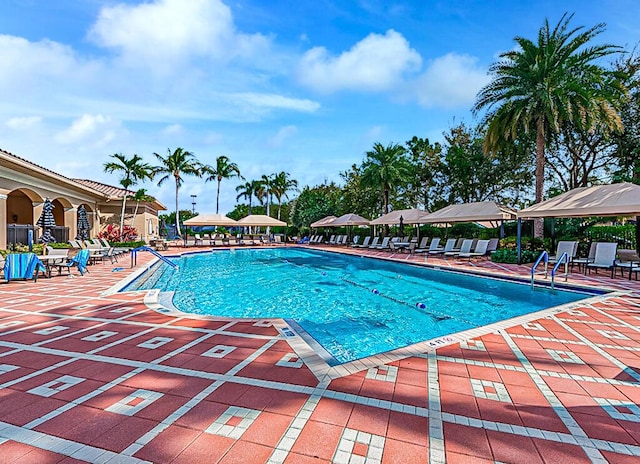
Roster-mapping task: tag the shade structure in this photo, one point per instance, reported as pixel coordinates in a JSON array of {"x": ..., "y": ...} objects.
[
  {"x": 83, "y": 224},
  {"x": 600, "y": 200},
  {"x": 470, "y": 212},
  {"x": 210, "y": 220},
  {"x": 409, "y": 216},
  {"x": 47, "y": 221},
  {"x": 349, "y": 219},
  {"x": 260, "y": 220},
  {"x": 324, "y": 222}
]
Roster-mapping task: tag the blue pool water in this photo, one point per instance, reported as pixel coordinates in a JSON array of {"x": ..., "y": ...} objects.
[{"x": 352, "y": 306}]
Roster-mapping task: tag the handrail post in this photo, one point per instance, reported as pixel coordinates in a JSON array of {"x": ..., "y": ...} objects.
[{"x": 544, "y": 255}]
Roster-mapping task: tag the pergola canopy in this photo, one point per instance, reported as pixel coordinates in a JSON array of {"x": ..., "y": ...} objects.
[
  {"x": 409, "y": 216},
  {"x": 324, "y": 222},
  {"x": 481, "y": 211},
  {"x": 260, "y": 220},
  {"x": 600, "y": 200},
  {"x": 210, "y": 220},
  {"x": 349, "y": 219}
]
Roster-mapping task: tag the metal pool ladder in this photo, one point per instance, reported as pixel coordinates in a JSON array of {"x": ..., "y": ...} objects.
[
  {"x": 134, "y": 254},
  {"x": 564, "y": 258}
]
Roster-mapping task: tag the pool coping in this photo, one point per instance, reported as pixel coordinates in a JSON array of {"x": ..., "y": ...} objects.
[{"x": 325, "y": 370}]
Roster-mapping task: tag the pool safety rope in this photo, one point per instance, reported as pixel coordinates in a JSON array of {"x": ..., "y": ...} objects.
[{"x": 436, "y": 315}]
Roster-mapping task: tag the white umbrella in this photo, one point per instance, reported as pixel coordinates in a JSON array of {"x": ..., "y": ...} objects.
[
  {"x": 260, "y": 220},
  {"x": 324, "y": 222},
  {"x": 349, "y": 219},
  {"x": 409, "y": 216}
]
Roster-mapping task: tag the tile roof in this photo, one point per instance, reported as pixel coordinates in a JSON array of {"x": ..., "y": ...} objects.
[{"x": 106, "y": 189}]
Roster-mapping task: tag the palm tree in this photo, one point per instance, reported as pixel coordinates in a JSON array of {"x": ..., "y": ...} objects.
[
  {"x": 140, "y": 195},
  {"x": 386, "y": 168},
  {"x": 223, "y": 169},
  {"x": 265, "y": 190},
  {"x": 248, "y": 190},
  {"x": 133, "y": 170},
  {"x": 282, "y": 184},
  {"x": 175, "y": 165},
  {"x": 545, "y": 86}
]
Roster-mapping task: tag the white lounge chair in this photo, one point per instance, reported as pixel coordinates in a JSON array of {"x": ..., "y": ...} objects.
[
  {"x": 384, "y": 245},
  {"x": 479, "y": 251},
  {"x": 364, "y": 244},
  {"x": 565, "y": 246},
  {"x": 423, "y": 245},
  {"x": 374, "y": 242}
]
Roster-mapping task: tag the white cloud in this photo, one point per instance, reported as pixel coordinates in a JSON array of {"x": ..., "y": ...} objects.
[
  {"x": 22, "y": 123},
  {"x": 93, "y": 129},
  {"x": 173, "y": 129},
  {"x": 154, "y": 32},
  {"x": 450, "y": 81},
  {"x": 281, "y": 136},
  {"x": 376, "y": 63},
  {"x": 275, "y": 101}
]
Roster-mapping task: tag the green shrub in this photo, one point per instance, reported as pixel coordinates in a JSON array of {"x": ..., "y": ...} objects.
[
  {"x": 128, "y": 244},
  {"x": 510, "y": 256}
]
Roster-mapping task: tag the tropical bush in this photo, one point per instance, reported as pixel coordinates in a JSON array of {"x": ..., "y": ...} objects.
[
  {"x": 511, "y": 256},
  {"x": 112, "y": 233}
]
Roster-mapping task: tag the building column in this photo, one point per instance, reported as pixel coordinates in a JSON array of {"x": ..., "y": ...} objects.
[
  {"x": 71, "y": 221},
  {"x": 3, "y": 219}
]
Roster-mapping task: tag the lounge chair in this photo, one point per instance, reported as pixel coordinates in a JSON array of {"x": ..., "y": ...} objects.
[
  {"x": 423, "y": 245},
  {"x": 449, "y": 248},
  {"x": 332, "y": 240},
  {"x": 198, "y": 239},
  {"x": 467, "y": 246},
  {"x": 355, "y": 240},
  {"x": 22, "y": 266},
  {"x": 479, "y": 251},
  {"x": 384, "y": 245},
  {"x": 493, "y": 245},
  {"x": 364, "y": 244},
  {"x": 604, "y": 258},
  {"x": 374, "y": 242}
]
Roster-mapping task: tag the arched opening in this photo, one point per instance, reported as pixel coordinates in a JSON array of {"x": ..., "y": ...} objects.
[
  {"x": 20, "y": 216},
  {"x": 58, "y": 212}
]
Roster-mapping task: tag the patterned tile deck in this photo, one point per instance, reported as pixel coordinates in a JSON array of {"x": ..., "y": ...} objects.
[{"x": 91, "y": 378}]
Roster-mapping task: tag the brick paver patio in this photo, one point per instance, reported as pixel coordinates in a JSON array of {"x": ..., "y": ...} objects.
[{"x": 92, "y": 378}]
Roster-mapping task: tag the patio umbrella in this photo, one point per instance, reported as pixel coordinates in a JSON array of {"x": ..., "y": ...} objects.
[
  {"x": 401, "y": 225},
  {"x": 162, "y": 227},
  {"x": 83, "y": 224},
  {"x": 260, "y": 220},
  {"x": 324, "y": 222},
  {"x": 348, "y": 220},
  {"x": 210, "y": 220},
  {"x": 47, "y": 221}
]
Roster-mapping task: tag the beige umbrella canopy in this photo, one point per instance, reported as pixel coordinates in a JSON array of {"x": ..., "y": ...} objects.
[
  {"x": 324, "y": 222},
  {"x": 409, "y": 216},
  {"x": 210, "y": 220},
  {"x": 470, "y": 212},
  {"x": 600, "y": 200},
  {"x": 260, "y": 220},
  {"x": 349, "y": 219}
]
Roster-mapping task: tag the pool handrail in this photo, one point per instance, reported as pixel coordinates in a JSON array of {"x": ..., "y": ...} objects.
[
  {"x": 134, "y": 252},
  {"x": 564, "y": 257},
  {"x": 544, "y": 255}
]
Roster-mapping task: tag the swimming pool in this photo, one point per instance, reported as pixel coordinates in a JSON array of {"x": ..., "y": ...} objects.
[{"x": 352, "y": 306}]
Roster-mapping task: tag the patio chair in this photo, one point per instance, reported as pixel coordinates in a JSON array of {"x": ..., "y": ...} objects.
[
  {"x": 493, "y": 245},
  {"x": 198, "y": 239},
  {"x": 355, "y": 240},
  {"x": 22, "y": 266},
  {"x": 332, "y": 240},
  {"x": 448, "y": 248},
  {"x": 604, "y": 258},
  {"x": 467, "y": 246},
  {"x": 627, "y": 259},
  {"x": 374, "y": 242},
  {"x": 434, "y": 246},
  {"x": 589, "y": 259},
  {"x": 81, "y": 260},
  {"x": 565, "y": 246},
  {"x": 384, "y": 245}
]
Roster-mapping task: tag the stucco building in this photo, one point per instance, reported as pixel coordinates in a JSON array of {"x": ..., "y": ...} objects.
[{"x": 24, "y": 186}]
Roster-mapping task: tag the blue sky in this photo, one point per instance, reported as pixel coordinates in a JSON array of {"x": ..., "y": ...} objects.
[{"x": 301, "y": 86}]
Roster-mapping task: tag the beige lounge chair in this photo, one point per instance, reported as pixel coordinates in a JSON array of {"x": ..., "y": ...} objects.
[{"x": 604, "y": 258}]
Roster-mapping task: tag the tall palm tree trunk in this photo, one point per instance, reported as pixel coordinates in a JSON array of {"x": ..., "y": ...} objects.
[
  {"x": 538, "y": 224},
  {"x": 124, "y": 202},
  {"x": 218, "y": 197},
  {"x": 177, "y": 213}
]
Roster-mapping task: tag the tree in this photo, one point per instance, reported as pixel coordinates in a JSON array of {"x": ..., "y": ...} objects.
[
  {"x": 385, "y": 169},
  {"x": 224, "y": 169},
  {"x": 281, "y": 185},
  {"x": 542, "y": 87},
  {"x": 426, "y": 165},
  {"x": 356, "y": 197},
  {"x": 176, "y": 164},
  {"x": 315, "y": 203},
  {"x": 133, "y": 170},
  {"x": 265, "y": 191},
  {"x": 248, "y": 190}
]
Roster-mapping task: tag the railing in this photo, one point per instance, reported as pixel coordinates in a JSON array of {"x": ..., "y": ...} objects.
[
  {"x": 134, "y": 256},
  {"x": 544, "y": 255},
  {"x": 564, "y": 258}
]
